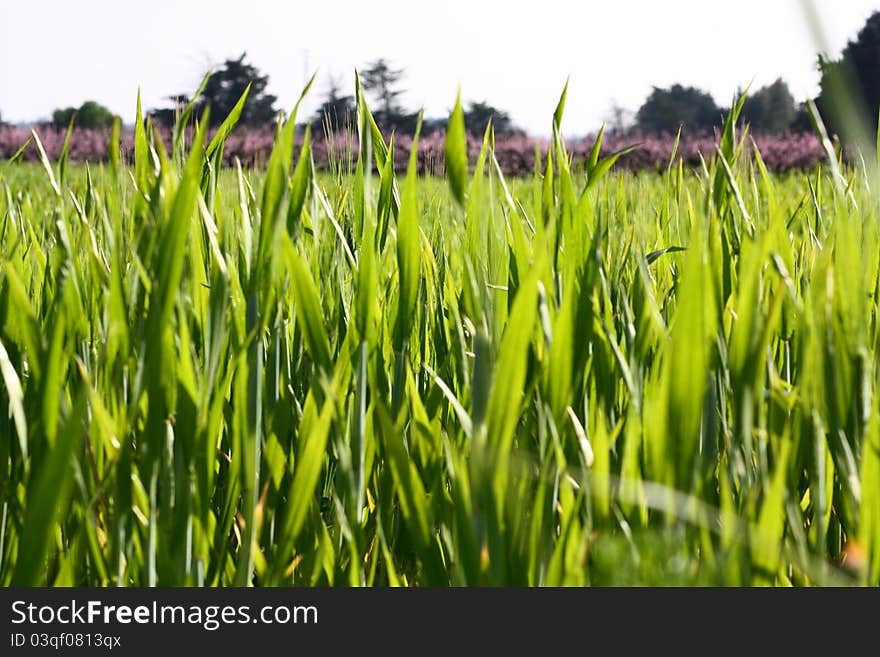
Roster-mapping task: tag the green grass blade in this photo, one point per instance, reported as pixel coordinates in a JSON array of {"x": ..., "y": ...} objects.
[{"x": 455, "y": 151}]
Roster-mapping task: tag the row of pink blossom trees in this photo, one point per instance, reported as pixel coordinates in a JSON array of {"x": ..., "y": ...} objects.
[{"x": 516, "y": 154}]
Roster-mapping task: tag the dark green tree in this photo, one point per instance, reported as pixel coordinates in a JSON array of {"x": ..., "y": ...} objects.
[
  {"x": 221, "y": 93},
  {"x": 432, "y": 124},
  {"x": 167, "y": 116},
  {"x": 771, "y": 108},
  {"x": 336, "y": 112},
  {"x": 61, "y": 117},
  {"x": 801, "y": 122},
  {"x": 665, "y": 109},
  {"x": 89, "y": 115},
  {"x": 619, "y": 119},
  {"x": 477, "y": 115},
  {"x": 228, "y": 84},
  {"x": 850, "y": 86},
  {"x": 381, "y": 81}
]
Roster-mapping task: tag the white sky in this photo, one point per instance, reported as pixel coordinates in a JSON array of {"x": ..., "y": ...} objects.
[{"x": 515, "y": 54}]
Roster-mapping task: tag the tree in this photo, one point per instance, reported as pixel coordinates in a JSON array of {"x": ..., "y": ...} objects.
[
  {"x": 336, "y": 112},
  {"x": 61, "y": 117},
  {"x": 226, "y": 86},
  {"x": 168, "y": 116},
  {"x": 90, "y": 115},
  {"x": 380, "y": 80},
  {"x": 620, "y": 119},
  {"x": 801, "y": 122},
  {"x": 853, "y": 79},
  {"x": 665, "y": 109},
  {"x": 477, "y": 116},
  {"x": 221, "y": 93},
  {"x": 771, "y": 108},
  {"x": 432, "y": 124}
]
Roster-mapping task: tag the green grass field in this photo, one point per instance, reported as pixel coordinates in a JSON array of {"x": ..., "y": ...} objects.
[{"x": 225, "y": 377}]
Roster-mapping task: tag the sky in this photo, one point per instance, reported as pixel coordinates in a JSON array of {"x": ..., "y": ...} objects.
[{"x": 514, "y": 54}]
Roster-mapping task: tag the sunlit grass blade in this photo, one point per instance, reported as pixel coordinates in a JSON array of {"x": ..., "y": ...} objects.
[
  {"x": 47, "y": 497},
  {"x": 308, "y": 312},
  {"x": 408, "y": 252},
  {"x": 16, "y": 398},
  {"x": 456, "y": 153}
]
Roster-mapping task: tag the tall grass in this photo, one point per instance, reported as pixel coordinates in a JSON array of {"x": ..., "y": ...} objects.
[{"x": 222, "y": 376}]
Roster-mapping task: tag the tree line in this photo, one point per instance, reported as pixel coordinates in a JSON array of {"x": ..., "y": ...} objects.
[
  {"x": 336, "y": 112},
  {"x": 770, "y": 109}
]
